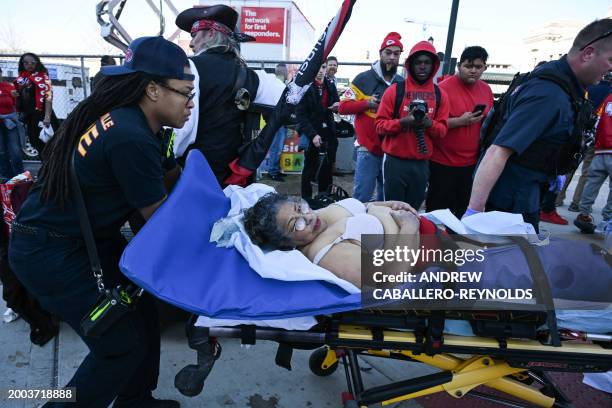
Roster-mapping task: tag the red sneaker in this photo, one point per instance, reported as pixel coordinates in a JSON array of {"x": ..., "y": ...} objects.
[{"x": 552, "y": 217}]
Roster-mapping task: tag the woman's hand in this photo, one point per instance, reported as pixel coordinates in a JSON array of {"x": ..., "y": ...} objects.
[
  {"x": 46, "y": 122},
  {"x": 397, "y": 205},
  {"x": 407, "y": 221},
  {"x": 317, "y": 141}
]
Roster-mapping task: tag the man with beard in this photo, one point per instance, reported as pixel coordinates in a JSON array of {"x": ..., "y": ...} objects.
[
  {"x": 361, "y": 99},
  {"x": 218, "y": 126},
  {"x": 332, "y": 69},
  {"x": 408, "y": 118}
]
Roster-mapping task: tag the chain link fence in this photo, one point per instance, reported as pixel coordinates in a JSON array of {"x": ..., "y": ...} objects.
[{"x": 71, "y": 77}]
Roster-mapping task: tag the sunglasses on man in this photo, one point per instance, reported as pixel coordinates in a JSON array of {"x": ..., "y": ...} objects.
[{"x": 601, "y": 37}]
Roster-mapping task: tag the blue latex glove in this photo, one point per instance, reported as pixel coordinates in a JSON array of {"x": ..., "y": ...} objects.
[
  {"x": 557, "y": 184},
  {"x": 469, "y": 212}
]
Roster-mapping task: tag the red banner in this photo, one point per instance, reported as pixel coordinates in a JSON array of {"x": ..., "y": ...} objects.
[{"x": 266, "y": 24}]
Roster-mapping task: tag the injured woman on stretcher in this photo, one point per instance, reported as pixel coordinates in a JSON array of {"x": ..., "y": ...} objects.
[
  {"x": 244, "y": 257},
  {"x": 227, "y": 252},
  {"x": 331, "y": 237}
]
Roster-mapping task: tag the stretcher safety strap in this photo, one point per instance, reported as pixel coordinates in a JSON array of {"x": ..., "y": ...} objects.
[{"x": 541, "y": 286}]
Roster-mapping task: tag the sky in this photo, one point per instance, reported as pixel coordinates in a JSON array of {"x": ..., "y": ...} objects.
[{"x": 70, "y": 26}]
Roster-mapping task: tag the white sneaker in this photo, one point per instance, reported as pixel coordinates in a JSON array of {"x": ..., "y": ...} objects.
[{"x": 9, "y": 315}]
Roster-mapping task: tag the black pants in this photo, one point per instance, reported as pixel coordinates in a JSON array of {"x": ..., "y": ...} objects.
[
  {"x": 405, "y": 180},
  {"x": 33, "y": 131},
  {"x": 312, "y": 162},
  {"x": 547, "y": 198},
  {"x": 532, "y": 218},
  {"x": 124, "y": 361},
  {"x": 449, "y": 187},
  {"x": 333, "y": 148},
  {"x": 43, "y": 327}
]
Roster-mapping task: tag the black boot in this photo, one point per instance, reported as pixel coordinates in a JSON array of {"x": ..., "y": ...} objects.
[
  {"x": 41, "y": 335},
  {"x": 190, "y": 380}
]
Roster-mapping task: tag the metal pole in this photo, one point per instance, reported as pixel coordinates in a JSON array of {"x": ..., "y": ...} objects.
[
  {"x": 450, "y": 37},
  {"x": 83, "y": 77}
]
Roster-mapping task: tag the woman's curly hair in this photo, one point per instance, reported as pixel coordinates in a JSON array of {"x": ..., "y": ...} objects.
[{"x": 261, "y": 225}]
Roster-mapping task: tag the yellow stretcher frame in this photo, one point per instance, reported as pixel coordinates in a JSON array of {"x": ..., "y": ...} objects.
[
  {"x": 465, "y": 373},
  {"x": 466, "y": 362}
]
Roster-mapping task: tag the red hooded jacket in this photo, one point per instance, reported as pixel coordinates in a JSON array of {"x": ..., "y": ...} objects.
[
  {"x": 402, "y": 143},
  {"x": 603, "y": 136}
]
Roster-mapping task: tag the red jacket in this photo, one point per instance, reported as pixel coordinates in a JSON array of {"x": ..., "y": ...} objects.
[
  {"x": 603, "y": 136},
  {"x": 7, "y": 100},
  {"x": 460, "y": 147},
  {"x": 355, "y": 102},
  {"x": 402, "y": 143}
]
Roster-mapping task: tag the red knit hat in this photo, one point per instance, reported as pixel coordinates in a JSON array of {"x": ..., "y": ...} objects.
[{"x": 392, "y": 39}]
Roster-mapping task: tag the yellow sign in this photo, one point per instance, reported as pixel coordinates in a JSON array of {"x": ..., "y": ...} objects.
[{"x": 292, "y": 162}]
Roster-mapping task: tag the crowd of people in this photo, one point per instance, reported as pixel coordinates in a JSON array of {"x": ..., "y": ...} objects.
[{"x": 417, "y": 141}]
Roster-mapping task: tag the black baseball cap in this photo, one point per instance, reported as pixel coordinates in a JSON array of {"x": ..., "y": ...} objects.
[{"x": 155, "y": 56}]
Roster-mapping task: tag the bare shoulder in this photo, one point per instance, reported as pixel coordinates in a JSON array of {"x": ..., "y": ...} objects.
[{"x": 334, "y": 213}]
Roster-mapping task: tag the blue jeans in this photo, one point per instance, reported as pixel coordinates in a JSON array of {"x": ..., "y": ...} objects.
[
  {"x": 368, "y": 174},
  {"x": 275, "y": 152},
  {"x": 304, "y": 142},
  {"x": 599, "y": 170},
  {"x": 11, "y": 162}
]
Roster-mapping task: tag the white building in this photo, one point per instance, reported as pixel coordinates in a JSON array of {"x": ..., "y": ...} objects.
[{"x": 552, "y": 40}]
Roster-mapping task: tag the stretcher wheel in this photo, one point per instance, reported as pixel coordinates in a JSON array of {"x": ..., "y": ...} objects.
[{"x": 319, "y": 366}]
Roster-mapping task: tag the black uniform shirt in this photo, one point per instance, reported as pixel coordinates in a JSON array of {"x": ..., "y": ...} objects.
[{"x": 119, "y": 165}]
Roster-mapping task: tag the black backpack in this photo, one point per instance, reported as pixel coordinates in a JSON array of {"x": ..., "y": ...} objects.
[{"x": 546, "y": 157}]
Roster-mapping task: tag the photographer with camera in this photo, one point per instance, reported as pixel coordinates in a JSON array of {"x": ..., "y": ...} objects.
[
  {"x": 361, "y": 99},
  {"x": 454, "y": 157},
  {"x": 316, "y": 121},
  {"x": 410, "y": 114}
]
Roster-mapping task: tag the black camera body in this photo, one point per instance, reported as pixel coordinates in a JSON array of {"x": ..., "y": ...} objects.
[{"x": 419, "y": 109}]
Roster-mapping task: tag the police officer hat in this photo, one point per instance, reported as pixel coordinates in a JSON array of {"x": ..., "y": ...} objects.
[{"x": 219, "y": 12}]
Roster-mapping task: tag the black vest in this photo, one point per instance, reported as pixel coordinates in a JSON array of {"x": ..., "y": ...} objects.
[{"x": 220, "y": 122}]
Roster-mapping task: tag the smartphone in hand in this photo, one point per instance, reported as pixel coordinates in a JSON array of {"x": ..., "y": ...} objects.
[{"x": 479, "y": 108}]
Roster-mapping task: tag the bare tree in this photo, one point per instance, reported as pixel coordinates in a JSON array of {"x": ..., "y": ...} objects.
[{"x": 10, "y": 40}]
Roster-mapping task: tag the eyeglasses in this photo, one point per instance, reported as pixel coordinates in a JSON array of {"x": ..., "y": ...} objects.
[
  {"x": 300, "y": 222},
  {"x": 188, "y": 95},
  {"x": 601, "y": 37}
]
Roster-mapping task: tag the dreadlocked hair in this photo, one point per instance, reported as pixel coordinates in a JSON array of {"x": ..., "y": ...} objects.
[{"x": 112, "y": 92}]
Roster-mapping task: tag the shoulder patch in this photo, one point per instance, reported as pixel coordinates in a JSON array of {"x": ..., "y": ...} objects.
[{"x": 348, "y": 94}]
